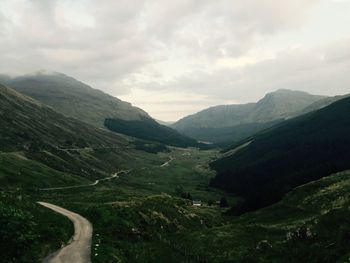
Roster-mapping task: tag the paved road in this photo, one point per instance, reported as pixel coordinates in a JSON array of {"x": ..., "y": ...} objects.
[
  {"x": 79, "y": 250},
  {"x": 167, "y": 163},
  {"x": 116, "y": 175}
]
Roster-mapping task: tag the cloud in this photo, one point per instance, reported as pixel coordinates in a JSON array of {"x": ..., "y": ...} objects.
[
  {"x": 319, "y": 70},
  {"x": 210, "y": 48},
  {"x": 71, "y": 34}
]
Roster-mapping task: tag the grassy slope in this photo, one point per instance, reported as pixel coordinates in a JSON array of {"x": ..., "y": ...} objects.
[
  {"x": 320, "y": 207},
  {"x": 149, "y": 129},
  {"x": 136, "y": 214},
  {"x": 36, "y": 136},
  {"x": 17, "y": 171},
  {"x": 143, "y": 226},
  {"x": 295, "y": 152},
  {"x": 229, "y": 135},
  {"x": 28, "y": 232},
  {"x": 74, "y": 98}
]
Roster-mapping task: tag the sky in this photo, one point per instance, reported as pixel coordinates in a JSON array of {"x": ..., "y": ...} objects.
[{"x": 174, "y": 58}]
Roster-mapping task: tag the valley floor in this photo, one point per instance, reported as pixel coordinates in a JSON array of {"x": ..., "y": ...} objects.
[{"x": 146, "y": 215}]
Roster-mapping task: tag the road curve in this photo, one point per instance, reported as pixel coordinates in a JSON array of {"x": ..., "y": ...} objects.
[
  {"x": 116, "y": 175},
  {"x": 79, "y": 250}
]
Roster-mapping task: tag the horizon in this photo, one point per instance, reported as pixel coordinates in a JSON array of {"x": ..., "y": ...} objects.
[{"x": 158, "y": 56}]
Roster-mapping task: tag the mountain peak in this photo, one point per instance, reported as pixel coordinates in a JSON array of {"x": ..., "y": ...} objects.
[{"x": 288, "y": 92}]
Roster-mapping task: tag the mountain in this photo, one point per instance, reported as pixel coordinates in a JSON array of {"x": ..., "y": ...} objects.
[
  {"x": 214, "y": 124},
  {"x": 268, "y": 165},
  {"x": 40, "y": 147},
  {"x": 75, "y": 99},
  {"x": 323, "y": 103}
]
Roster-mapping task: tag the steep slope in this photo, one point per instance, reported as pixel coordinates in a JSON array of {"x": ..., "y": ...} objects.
[
  {"x": 295, "y": 152},
  {"x": 322, "y": 103},
  {"x": 73, "y": 98},
  {"x": 39, "y": 146},
  {"x": 26, "y": 122},
  {"x": 310, "y": 224},
  {"x": 76, "y": 99},
  {"x": 247, "y": 119}
]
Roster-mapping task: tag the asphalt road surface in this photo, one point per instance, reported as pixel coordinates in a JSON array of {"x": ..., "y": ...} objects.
[{"x": 79, "y": 249}]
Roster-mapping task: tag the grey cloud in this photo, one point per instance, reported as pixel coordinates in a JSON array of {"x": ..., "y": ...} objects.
[
  {"x": 125, "y": 28},
  {"x": 127, "y": 38},
  {"x": 322, "y": 70}
]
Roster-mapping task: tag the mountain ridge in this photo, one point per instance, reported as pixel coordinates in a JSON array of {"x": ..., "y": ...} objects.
[
  {"x": 279, "y": 105},
  {"x": 73, "y": 98}
]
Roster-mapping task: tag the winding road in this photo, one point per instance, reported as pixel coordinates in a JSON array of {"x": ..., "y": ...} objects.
[
  {"x": 79, "y": 250},
  {"x": 167, "y": 163},
  {"x": 116, "y": 175}
]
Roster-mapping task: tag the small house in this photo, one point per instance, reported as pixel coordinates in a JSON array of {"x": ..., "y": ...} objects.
[{"x": 197, "y": 203}]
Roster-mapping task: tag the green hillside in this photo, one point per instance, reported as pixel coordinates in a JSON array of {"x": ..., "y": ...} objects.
[
  {"x": 27, "y": 233},
  {"x": 311, "y": 224},
  {"x": 293, "y": 153},
  {"x": 229, "y": 135},
  {"x": 39, "y": 146},
  {"x": 149, "y": 129},
  {"x": 73, "y": 98}
]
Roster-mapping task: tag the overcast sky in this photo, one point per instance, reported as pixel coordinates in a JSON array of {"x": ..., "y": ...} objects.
[{"x": 173, "y": 58}]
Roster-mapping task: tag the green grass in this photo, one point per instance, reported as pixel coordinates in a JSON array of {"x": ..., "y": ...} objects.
[
  {"x": 321, "y": 207},
  {"x": 146, "y": 199},
  {"x": 140, "y": 217},
  {"x": 17, "y": 171},
  {"x": 27, "y": 233}
]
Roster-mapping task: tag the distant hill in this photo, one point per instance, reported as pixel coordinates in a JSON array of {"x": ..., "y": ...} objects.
[
  {"x": 73, "y": 98},
  {"x": 293, "y": 153},
  {"x": 215, "y": 124}
]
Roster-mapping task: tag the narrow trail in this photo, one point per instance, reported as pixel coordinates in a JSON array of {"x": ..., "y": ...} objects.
[
  {"x": 168, "y": 162},
  {"x": 79, "y": 249},
  {"x": 116, "y": 175}
]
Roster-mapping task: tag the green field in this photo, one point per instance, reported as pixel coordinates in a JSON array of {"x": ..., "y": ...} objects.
[
  {"x": 141, "y": 216},
  {"x": 149, "y": 197}
]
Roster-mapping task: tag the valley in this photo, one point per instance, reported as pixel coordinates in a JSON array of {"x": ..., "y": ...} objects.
[
  {"x": 152, "y": 195},
  {"x": 147, "y": 131}
]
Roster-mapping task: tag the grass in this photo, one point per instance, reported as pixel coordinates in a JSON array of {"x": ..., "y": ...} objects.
[
  {"x": 27, "y": 233},
  {"x": 145, "y": 199},
  {"x": 140, "y": 216},
  {"x": 279, "y": 233}
]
